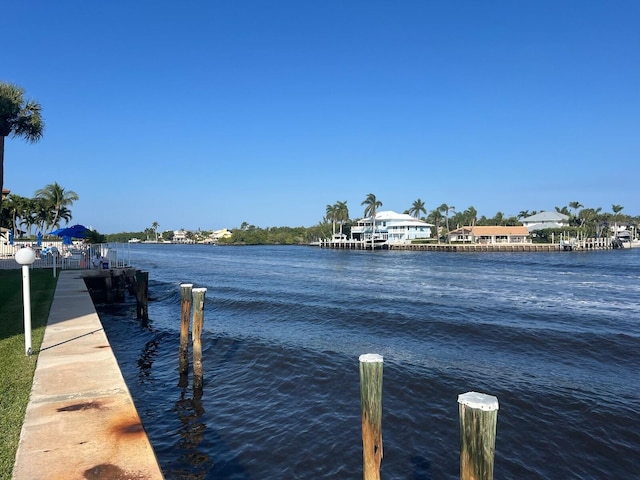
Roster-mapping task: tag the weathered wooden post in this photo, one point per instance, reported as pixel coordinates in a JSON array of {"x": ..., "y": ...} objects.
[
  {"x": 478, "y": 419},
  {"x": 371, "y": 412},
  {"x": 185, "y": 317},
  {"x": 198, "y": 321},
  {"x": 142, "y": 294},
  {"x": 108, "y": 287}
]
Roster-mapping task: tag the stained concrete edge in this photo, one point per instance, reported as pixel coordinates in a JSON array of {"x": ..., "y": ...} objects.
[{"x": 81, "y": 422}]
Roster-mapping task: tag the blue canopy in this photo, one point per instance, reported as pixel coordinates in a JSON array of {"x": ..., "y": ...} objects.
[{"x": 76, "y": 231}]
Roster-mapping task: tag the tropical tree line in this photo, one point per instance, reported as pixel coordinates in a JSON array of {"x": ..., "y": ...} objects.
[
  {"x": 45, "y": 211},
  {"x": 445, "y": 217}
]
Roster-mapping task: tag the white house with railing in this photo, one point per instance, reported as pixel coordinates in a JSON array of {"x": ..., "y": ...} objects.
[{"x": 391, "y": 227}]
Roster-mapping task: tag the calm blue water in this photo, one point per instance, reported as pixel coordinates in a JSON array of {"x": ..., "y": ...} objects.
[{"x": 554, "y": 336}]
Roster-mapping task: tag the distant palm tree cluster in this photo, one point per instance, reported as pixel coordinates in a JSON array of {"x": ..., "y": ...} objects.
[
  {"x": 46, "y": 211},
  {"x": 592, "y": 219}
]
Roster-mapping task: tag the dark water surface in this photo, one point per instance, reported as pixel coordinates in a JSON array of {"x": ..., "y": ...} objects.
[{"x": 554, "y": 336}]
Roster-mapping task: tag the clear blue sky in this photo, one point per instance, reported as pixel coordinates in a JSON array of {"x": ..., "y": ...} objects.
[{"x": 207, "y": 114}]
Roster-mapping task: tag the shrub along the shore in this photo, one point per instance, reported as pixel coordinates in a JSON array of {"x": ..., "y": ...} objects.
[{"x": 17, "y": 369}]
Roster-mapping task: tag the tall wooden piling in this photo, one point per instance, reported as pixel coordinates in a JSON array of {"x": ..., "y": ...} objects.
[
  {"x": 478, "y": 419},
  {"x": 142, "y": 295},
  {"x": 371, "y": 412},
  {"x": 185, "y": 317},
  {"x": 198, "y": 322}
]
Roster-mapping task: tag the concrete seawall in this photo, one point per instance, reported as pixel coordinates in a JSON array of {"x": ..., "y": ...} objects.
[{"x": 81, "y": 422}]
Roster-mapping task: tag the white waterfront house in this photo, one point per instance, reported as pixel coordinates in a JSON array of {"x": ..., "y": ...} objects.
[
  {"x": 391, "y": 227},
  {"x": 543, "y": 220},
  {"x": 180, "y": 236}
]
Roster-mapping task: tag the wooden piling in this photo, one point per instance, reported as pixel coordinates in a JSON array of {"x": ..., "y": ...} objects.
[
  {"x": 142, "y": 295},
  {"x": 198, "y": 322},
  {"x": 478, "y": 419},
  {"x": 371, "y": 413},
  {"x": 108, "y": 288},
  {"x": 185, "y": 317}
]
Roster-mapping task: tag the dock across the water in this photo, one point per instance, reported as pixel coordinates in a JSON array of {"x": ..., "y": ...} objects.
[{"x": 576, "y": 245}]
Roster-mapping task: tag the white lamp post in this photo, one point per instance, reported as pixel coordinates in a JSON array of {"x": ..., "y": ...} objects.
[{"x": 25, "y": 257}]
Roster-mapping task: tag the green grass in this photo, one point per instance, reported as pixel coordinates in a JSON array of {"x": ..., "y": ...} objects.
[{"x": 16, "y": 369}]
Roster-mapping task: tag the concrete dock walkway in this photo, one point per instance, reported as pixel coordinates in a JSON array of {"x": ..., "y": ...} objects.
[{"x": 81, "y": 423}]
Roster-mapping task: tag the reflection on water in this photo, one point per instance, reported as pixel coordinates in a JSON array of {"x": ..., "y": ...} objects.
[
  {"x": 553, "y": 336},
  {"x": 192, "y": 435}
]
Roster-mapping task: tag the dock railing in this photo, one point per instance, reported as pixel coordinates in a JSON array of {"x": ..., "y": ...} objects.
[{"x": 77, "y": 256}]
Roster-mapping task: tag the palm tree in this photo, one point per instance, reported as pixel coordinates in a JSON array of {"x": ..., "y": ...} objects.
[
  {"x": 371, "y": 205},
  {"x": 19, "y": 118},
  {"x": 16, "y": 208},
  {"x": 64, "y": 214},
  {"x": 342, "y": 213},
  {"x": 575, "y": 206},
  {"x": 40, "y": 214},
  {"x": 616, "y": 209},
  {"x": 56, "y": 199},
  {"x": 444, "y": 208},
  {"x": 417, "y": 208},
  {"x": 472, "y": 215},
  {"x": 590, "y": 216},
  {"x": 155, "y": 226},
  {"x": 498, "y": 219},
  {"x": 331, "y": 214},
  {"x": 435, "y": 217}
]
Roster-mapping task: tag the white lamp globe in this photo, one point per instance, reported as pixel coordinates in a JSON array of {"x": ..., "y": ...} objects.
[{"x": 25, "y": 256}]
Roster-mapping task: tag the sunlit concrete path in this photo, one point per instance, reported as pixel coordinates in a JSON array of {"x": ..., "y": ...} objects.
[{"x": 81, "y": 422}]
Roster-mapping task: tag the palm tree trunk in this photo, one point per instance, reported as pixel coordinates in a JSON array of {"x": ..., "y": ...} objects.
[
  {"x": 448, "y": 231},
  {"x": 373, "y": 229},
  {"x": 1, "y": 168}
]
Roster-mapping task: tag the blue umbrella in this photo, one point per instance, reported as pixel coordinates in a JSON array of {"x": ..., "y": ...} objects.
[
  {"x": 11, "y": 237},
  {"x": 39, "y": 238},
  {"x": 76, "y": 231}
]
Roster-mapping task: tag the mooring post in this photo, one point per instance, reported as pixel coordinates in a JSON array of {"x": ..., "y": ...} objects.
[
  {"x": 185, "y": 289},
  {"x": 478, "y": 419},
  {"x": 142, "y": 293},
  {"x": 198, "y": 321},
  {"x": 371, "y": 413}
]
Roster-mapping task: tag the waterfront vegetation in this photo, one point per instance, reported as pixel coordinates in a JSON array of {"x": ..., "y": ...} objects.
[
  {"x": 51, "y": 206},
  {"x": 583, "y": 222},
  {"x": 17, "y": 369}
]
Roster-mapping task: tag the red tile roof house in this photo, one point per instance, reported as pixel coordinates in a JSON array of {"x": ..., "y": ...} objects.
[{"x": 490, "y": 234}]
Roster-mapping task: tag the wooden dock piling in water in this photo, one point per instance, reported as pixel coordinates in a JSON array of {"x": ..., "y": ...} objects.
[
  {"x": 142, "y": 295},
  {"x": 198, "y": 322},
  {"x": 185, "y": 317},
  {"x": 371, "y": 413},
  {"x": 478, "y": 419}
]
